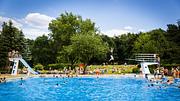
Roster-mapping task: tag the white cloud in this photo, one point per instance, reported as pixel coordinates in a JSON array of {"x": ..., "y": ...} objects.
[
  {"x": 6, "y": 19},
  {"x": 38, "y": 20},
  {"x": 33, "y": 33},
  {"x": 128, "y": 28},
  {"x": 32, "y": 25},
  {"x": 36, "y": 24},
  {"x": 141, "y": 30},
  {"x": 115, "y": 32}
]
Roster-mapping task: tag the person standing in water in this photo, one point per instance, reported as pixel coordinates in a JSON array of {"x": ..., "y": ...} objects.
[{"x": 97, "y": 72}]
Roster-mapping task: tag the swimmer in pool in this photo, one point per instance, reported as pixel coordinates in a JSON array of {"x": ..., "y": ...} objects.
[
  {"x": 4, "y": 79},
  {"x": 152, "y": 85},
  {"x": 169, "y": 82}
]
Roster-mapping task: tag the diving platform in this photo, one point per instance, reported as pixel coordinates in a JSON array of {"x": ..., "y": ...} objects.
[{"x": 146, "y": 59}]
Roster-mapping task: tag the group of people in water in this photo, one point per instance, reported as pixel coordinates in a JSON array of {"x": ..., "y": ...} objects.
[
  {"x": 160, "y": 79},
  {"x": 160, "y": 72},
  {"x": 176, "y": 72},
  {"x": 67, "y": 75},
  {"x": 163, "y": 83}
]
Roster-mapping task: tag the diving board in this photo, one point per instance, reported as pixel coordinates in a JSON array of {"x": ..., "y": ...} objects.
[{"x": 146, "y": 59}]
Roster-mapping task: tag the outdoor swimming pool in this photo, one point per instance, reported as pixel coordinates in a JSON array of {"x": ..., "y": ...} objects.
[{"x": 86, "y": 89}]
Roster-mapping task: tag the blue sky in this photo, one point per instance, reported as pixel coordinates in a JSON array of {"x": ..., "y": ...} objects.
[{"x": 113, "y": 17}]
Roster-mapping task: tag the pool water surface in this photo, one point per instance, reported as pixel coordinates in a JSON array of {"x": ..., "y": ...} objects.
[{"x": 86, "y": 89}]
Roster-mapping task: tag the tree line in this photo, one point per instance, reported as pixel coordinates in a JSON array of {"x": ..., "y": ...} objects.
[{"x": 74, "y": 40}]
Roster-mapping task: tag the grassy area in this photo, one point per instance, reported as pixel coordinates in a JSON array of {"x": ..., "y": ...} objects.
[
  {"x": 106, "y": 69},
  {"x": 12, "y": 76},
  {"x": 114, "y": 69}
]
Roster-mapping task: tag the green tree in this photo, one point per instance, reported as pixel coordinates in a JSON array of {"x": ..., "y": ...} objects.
[
  {"x": 153, "y": 42},
  {"x": 42, "y": 51},
  {"x": 142, "y": 44},
  {"x": 67, "y": 55},
  {"x": 87, "y": 46},
  {"x": 124, "y": 47},
  {"x": 28, "y": 49},
  {"x": 65, "y": 26},
  {"x": 173, "y": 33},
  {"x": 11, "y": 38},
  {"x": 3, "y": 53},
  {"x": 39, "y": 67},
  {"x": 173, "y": 36},
  {"x": 108, "y": 40}
]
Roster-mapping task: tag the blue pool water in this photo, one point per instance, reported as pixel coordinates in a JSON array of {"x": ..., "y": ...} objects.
[{"x": 86, "y": 89}]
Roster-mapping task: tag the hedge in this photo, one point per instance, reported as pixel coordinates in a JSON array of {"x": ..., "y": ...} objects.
[{"x": 55, "y": 66}]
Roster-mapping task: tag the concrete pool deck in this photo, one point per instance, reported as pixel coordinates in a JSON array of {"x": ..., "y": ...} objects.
[{"x": 10, "y": 77}]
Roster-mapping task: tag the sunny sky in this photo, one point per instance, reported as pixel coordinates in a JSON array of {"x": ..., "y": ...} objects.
[{"x": 112, "y": 17}]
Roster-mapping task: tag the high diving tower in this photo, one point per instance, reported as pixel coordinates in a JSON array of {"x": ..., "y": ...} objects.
[{"x": 146, "y": 60}]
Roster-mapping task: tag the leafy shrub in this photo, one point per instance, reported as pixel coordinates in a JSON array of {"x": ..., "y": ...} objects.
[
  {"x": 169, "y": 66},
  {"x": 55, "y": 66},
  {"x": 39, "y": 67},
  {"x": 5, "y": 71},
  {"x": 43, "y": 72},
  {"x": 136, "y": 70}
]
